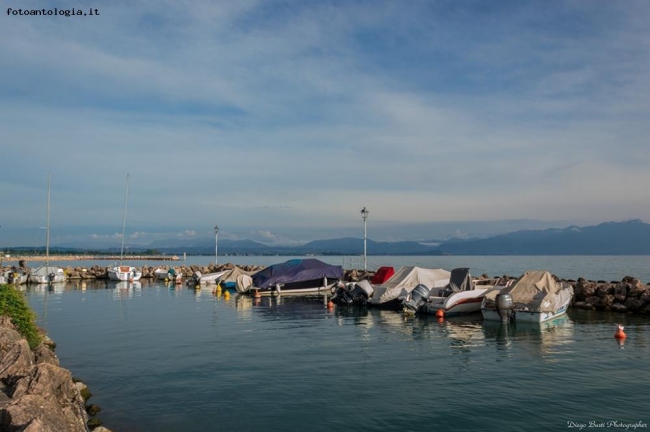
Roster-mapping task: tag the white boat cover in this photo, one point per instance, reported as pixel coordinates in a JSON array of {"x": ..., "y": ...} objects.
[
  {"x": 539, "y": 291},
  {"x": 405, "y": 280},
  {"x": 244, "y": 283}
]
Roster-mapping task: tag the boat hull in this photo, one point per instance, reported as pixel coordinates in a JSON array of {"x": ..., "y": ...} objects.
[
  {"x": 526, "y": 316},
  {"x": 124, "y": 274},
  {"x": 44, "y": 275}
]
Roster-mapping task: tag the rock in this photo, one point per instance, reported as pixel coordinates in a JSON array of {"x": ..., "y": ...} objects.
[
  {"x": 93, "y": 409},
  {"x": 17, "y": 362},
  {"x": 54, "y": 385},
  {"x": 44, "y": 354},
  {"x": 33, "y": 412},
  {"x": 583, "y": 305},
  {"x": 617, "y": 307},
  {"x": 634, "y": 304}
]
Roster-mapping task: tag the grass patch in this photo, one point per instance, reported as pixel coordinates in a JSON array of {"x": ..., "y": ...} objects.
[{"x": 14, "y": 305}]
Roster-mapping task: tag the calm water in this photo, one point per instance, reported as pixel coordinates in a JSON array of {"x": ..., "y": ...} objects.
[{"x": 161, "y": 358}]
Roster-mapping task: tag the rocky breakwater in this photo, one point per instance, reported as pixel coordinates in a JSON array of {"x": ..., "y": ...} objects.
[
  {"x": 38, "y": 394},
  {"x": 630, "y": 295}
]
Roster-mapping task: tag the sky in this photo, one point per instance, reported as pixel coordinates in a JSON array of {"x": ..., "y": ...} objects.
[{"x": 280, "y": 120}]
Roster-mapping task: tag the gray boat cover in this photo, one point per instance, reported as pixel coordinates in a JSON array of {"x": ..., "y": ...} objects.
[
  {"x": 539, "y": 292},
  {"x": 231, "y": 275},
  {"x": 405, "y": 280}
]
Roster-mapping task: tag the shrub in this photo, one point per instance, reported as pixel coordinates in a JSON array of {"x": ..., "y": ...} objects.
[{"x": 14, "y": 305}]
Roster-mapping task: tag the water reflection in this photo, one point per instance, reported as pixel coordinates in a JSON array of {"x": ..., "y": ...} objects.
[
  {"x": 546, "y": 339},
  {"x": 126, "y": 290}
]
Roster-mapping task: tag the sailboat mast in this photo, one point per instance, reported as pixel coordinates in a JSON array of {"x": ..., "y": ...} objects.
[
  {"x": 126, "y": 200},
  {"x": 47, "y": 235}
]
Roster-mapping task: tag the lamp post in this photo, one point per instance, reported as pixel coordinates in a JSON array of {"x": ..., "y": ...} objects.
[
  {"x": 364, "y": 216},
  {"x": 216, "y": 244}
]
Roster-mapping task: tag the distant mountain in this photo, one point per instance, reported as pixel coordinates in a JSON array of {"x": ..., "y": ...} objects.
[
  {"x": 354, "y": 246},
  {"x": 609, "y": 238}
]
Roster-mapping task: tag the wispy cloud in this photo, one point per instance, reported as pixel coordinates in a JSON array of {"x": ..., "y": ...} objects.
[{"x": 259, "y": 116}]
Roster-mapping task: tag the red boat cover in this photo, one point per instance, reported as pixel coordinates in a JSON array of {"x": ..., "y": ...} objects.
[{"x": 382, "y": 275}]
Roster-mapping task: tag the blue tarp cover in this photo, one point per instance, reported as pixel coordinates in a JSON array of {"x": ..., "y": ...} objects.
[{"x": 297, "y": 270}]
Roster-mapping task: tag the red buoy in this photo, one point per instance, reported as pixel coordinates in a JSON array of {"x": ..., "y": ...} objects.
[
  {"x": 440, "y": 313},
  {"x": 620, "y": 334}
]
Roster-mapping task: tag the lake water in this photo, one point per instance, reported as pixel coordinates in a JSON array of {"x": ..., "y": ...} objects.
[{"x": 165, "y": 358}]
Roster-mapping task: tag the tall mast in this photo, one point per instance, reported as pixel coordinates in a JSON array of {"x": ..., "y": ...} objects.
[
  {"x": 47, "y": 235},
  {"x": 126, "y": 200}
]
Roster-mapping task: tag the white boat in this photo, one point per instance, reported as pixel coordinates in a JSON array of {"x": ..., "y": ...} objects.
[
  {"x": 535, "y": 297},
  {"x": 212, "y": 278},
  {"x": 460, "y": 297},
  {"x": 393, "y": 292},
  {"x": 168, "y": 275},
  {"x": 121, "y": 272},
  {"x": 15, "y": 276},
  {"x": 47, "y": 273}
]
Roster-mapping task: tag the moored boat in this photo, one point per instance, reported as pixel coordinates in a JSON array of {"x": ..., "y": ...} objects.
[
  {"x": 392, "y": 293},
  {"x": 461, "y": 296},
  {"x": 535, "y": 297},
  {"x": 121, "y": 272},
  {"x": 47, "y": 274},
  {"x": 297, "y": 276},
  {"x": 15, "y": 276}
]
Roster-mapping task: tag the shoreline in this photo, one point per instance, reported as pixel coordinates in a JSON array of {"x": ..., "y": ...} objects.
[{"x": 28, "y": 258}]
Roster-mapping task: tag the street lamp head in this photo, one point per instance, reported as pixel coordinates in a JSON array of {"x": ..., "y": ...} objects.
[
  {"x": 216, "y": 229},
  {"x": 364, "y": 213}
]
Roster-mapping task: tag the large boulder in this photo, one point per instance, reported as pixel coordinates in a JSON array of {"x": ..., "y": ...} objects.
[
  {"x": 36, "y": 413},
  {"x": 54, "y": 385},
  {"x": 17, "y": 362}
]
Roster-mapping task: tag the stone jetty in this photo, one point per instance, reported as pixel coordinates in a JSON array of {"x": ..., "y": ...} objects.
[{"x": 628, "y": 295}]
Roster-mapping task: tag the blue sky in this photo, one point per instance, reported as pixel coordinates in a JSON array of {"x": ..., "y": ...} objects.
[{"x": 280, "y": 120}]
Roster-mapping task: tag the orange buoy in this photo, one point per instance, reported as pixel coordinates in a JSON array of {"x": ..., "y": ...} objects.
[
  {"x": 440, "y": 313},
  {"x": 257, "y": 294},
  {"x": 330, "y": 305},
  {"x": 620, "y": 334}
]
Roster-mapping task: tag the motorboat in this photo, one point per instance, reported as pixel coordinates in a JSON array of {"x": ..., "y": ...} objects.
[
  {"x": 297, "y": 276},
  {"x": 122, "y": 272},
  {"x": 356, "y": 293},
  {"x": 228, "y": 280},
  {"x": 15, "y": 276},
  {"x": 168, "y": 275},
  {"x": 392, "y": 293},
  {"x": 47, "y": 274},
  {"x": 459, "y": 297},
  {"x": 535, "y": 297}
]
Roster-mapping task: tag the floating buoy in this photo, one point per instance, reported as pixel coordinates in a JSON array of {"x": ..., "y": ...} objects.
[
  {"x": 257, "y": 294},
  {"x": 226, "y": 295},
  {"x": 620, "y": 334},
  {"x": 330, "y": 305},
  {"x": 440, "y": 313}
]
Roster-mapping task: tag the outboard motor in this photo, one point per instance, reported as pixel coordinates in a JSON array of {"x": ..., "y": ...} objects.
[
  {"x": 10, "y": 278},
  {"x": 416, "y": 299},
  {"x": 504, "y": 307},
  {"x": 361, "y": 292},
  {"x": 195, "y": 279},
  {"x": 342, "y": 295},
  {"x": 50, "y": 277}
]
